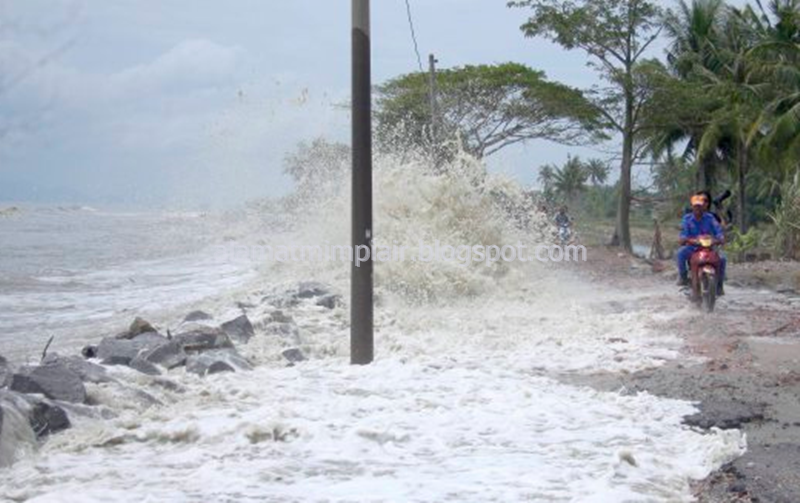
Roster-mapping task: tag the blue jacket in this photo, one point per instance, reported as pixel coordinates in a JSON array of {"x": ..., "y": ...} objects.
[{"x": 707, "y": 225}]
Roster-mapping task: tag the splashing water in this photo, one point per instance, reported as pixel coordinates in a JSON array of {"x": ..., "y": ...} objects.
[{"x": 461, "y": 404}]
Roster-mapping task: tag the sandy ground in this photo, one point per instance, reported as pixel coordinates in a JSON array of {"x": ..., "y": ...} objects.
[{"x": 749, "y": 378}]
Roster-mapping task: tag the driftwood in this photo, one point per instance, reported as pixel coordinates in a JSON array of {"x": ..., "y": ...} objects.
[{"x": 47, "y": 346}]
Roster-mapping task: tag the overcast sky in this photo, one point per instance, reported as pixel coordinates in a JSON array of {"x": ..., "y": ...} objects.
[{"x": 192, "y": 102}]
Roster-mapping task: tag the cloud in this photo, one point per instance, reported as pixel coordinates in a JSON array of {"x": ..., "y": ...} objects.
[{"x": 199, "y": 122}]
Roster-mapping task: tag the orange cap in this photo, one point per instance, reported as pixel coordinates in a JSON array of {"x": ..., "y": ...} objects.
[{"x": 698, "y": 201}]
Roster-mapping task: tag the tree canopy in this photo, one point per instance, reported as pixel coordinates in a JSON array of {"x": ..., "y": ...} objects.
[{"x": 486, "y": 108}]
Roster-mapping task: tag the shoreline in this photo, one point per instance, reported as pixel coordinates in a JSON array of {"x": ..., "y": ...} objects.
[{"x": 749, "y": 379}]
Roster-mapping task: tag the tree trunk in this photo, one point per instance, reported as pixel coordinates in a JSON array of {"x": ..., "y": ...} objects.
[
  {"x": 704, "y": 180},
  {"x": 743, "y": 155},
  {"x": 624, "y": 207}
]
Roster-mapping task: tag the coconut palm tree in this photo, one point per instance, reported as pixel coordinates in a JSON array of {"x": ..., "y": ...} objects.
[
  {"x": 597, "y": 171},
  {"x": 570, "y": 180},
  {"x": 694, "y": 31}
]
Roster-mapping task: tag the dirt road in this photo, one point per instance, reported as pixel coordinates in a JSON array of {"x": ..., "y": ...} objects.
[{"x": 748, "y": 376}]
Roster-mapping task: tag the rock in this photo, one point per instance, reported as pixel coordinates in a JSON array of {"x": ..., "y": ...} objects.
[
  {"x": 203, "y": 339},
  {"x": 53, "y": 380},
  {"x": 117, "y": 350},
  {"x": 216, "y": 361},
  {"x": 330, "y": 300},
  {"x": 239, "y": 329},
  {"x": 114, "y": 351},
  {"x": 89, "y": 351},
  {"x": 309, "y": 289},
  {"x": 87, "y": 371},
  {"x": 294, "y": 355},
  {"x": 16, "y": 434},
  {"x": 144, "y": 366},
  {"x": 197, "y": 316},
  {"x": 140, "y": 326},
  {"x": 4, "y": 371},
  {"x": 169, "y": 355},
  {"x": 46, "y": 418},
  {"x": 149, "y": 339}
]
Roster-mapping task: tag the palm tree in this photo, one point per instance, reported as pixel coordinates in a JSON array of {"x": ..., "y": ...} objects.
[
  {"x": 597, "y": 171},
  {"x": 694, "y": 31},
  {"x": 570, "y": 180}
]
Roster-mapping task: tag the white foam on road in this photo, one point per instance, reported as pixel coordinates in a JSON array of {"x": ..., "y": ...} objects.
[{"x": 458, "y": 407}]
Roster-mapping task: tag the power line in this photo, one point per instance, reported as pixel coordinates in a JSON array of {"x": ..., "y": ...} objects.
[{"x": 413, "y": 36}]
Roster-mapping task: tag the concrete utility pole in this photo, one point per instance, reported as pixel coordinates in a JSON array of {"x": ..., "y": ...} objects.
[
  {"x": 361, "y": 317},
  {"x": 434, "y": 126}
]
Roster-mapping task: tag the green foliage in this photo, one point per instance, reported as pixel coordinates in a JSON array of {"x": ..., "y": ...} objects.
[
  {"x": 615, "y": 35},
  {"x": 738, "y": 244},
  {"x": 786, "y": 219},
  {"x": 485, "y": 108},
  {"x": 565, "y": 184}
]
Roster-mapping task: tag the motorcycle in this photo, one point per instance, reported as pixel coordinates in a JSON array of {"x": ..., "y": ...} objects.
[
  {"x": 564, "y": 234},
  {"x": 704, "y": 264}
]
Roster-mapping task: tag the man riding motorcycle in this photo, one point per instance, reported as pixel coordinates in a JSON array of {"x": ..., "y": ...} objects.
[
  {"x": 698, "y": 223},
  {"x": 564, "y": 225}
]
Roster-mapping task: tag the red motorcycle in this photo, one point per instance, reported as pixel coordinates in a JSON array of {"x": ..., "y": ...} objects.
[{"x": 704, "y": 265}]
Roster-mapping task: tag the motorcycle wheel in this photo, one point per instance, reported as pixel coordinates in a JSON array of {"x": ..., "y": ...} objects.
[{"x": 709, "y": 292}]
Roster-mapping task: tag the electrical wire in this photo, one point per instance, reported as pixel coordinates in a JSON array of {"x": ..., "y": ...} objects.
[{"x": 413, "y": 35}]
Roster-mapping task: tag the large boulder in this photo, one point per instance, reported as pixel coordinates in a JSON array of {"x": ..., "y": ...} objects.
[
  {"x": 16, "y": 434},
  {"x": 53, "y": 380},
  {"x": 216, "y": 361},
  {"x": 121, "y": 351},
  {"x": 46, "y": 418},
  {"x": 169, "y": 355},
  {"x": 87, "y": 371},
  {"x": 202, "y": 339},
  {"x": 239, "y": 329}
]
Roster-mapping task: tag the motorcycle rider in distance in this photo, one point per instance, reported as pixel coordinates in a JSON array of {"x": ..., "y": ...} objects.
[
  {"x": 698, "y": 223},
  {"x": 563, "y": 223}
]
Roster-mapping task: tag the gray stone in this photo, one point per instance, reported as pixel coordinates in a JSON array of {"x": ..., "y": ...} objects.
[
  {"x": 169, "y": 355},
  {"x": 53, "y": 380},
  {"x": 121, "y": 352},
  {"x": 294, "y": 355},
  {"x": 144, "y": 366},
  {"x": 330, "y": 300},
  {"x": 149, "y": 339},
  {"x": 215, "y": 361},
  {"x": 140, "y": 326},
  {"x": 89, "y": 351},
  {"x": 15, "y": 430},
  {"x": 239, "y": 329},
  {"x": 203, "y": 339},
  {"x": 309, "y": 289},
  {"x": 87, "y": 371},
  {"x": 46, "y": 419},
  {"x": 198, "y": 316},
  {"x": 5, "y": 371}
]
